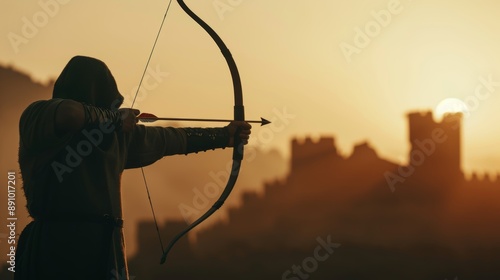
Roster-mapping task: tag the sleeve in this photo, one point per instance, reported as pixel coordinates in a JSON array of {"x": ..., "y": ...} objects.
[
  {"x": 149, "y": 144},
  {"x": 37, "y": 130},
  {"x": 203, "y": 139}
]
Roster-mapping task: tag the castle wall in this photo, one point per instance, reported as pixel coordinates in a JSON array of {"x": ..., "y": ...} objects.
[{"x": 309, "y": 149}]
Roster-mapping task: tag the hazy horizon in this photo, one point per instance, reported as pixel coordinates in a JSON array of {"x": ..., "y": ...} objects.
[{"x": 352, "y": 69}]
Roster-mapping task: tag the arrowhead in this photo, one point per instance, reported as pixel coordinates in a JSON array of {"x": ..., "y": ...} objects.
[{"x": 264, "y": 122}]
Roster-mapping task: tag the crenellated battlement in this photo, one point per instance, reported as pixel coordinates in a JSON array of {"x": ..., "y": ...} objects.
[
  {"x": 303, "y": 149},
  {"x": 484, "y": 178},
  {"x": 435, "y": 150},
  {"x": 450, "y": 121}
]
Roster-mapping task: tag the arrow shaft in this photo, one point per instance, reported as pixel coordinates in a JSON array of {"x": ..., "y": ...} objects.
[{"x": 191, "y": 120}]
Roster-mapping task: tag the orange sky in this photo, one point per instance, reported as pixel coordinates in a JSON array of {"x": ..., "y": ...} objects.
[{"x": 293, "y": 67}]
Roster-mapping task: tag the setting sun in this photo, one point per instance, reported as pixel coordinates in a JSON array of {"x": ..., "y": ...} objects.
[{"x": 451, "y": 105}]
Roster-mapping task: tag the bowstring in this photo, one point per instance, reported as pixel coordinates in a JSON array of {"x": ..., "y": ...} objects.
[
  {"x": 132, "y": 106},
  {"x": 151, "y": 53}
]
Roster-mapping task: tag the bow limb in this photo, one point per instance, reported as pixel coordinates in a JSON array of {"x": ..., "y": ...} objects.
[{"x": 239, "y": 115}]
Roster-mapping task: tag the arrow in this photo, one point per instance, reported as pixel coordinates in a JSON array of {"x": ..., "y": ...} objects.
[{"x": 146, "y": 117}]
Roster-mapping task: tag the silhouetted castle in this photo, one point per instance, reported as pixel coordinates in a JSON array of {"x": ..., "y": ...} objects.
[
  {"x": 304, "y": 152},
  {"x": 435, "y": 144},
  {"x": 393, "y": 221},
  {"x": 440, "y": 143}
]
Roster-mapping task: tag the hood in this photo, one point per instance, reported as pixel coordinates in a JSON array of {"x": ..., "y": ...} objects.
[{"x": 88, "y": 80}]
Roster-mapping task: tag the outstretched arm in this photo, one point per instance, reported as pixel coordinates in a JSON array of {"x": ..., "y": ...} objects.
[
  {"x": 149, "y": 144},
  {"x": 72, "y": 116}
]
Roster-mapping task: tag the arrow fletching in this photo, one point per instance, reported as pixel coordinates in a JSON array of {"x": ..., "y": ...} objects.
[{"x": 147, "y": 117}]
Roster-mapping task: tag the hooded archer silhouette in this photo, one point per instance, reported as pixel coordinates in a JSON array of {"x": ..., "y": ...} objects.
[{"x": 73, "y": 149}]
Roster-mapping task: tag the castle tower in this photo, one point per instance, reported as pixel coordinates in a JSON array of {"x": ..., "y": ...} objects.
[{"x": 436, "y": 146}]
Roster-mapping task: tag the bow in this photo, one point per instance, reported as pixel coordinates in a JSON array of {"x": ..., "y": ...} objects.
[{"x": 239, "y": 115}]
